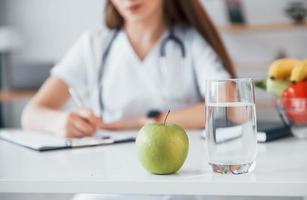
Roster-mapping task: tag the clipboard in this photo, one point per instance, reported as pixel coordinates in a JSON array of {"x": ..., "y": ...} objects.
[{"x": 42, "y": 141}]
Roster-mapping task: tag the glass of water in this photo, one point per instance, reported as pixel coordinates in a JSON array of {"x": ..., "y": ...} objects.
[{"x": 231, "y": 130}]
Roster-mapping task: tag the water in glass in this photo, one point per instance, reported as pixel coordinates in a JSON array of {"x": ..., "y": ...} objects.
[{"x": 231, "y": 134}]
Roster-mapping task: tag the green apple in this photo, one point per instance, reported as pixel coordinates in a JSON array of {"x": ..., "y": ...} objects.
[
  {"x": 162, "y": 148},
  {"x": 276, "y": 87}
]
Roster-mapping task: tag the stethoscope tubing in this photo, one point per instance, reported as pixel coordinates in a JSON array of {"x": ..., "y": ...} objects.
[{"x": 106, "y": 51}]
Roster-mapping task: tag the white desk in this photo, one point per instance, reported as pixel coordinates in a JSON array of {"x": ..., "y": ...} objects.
[{"x": 281, "y": 171}]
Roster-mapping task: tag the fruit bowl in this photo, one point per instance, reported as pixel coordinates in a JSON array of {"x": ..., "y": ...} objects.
[
  {"x": 287, "y": 81},
  {"x": 293, "y": 112}
]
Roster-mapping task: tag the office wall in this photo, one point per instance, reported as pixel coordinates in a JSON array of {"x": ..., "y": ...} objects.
[
  {"x": 257, "y": 11},
  {"x": 1, "y": 12},
  {"x": 48, "y": 28}
]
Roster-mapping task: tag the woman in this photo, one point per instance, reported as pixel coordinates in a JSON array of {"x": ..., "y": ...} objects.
[{"x": 120, "y": 70}]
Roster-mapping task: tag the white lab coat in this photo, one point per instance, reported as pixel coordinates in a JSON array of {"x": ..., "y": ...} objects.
[{"x": 131, "y": 87}]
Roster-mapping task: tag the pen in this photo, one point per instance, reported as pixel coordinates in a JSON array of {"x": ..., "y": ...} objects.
[
  {"x": 80, "y": 103},
  {"x": 76, "y": 98}
]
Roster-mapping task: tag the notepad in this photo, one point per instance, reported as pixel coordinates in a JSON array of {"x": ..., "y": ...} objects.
[{"x": 41, "y": 141}]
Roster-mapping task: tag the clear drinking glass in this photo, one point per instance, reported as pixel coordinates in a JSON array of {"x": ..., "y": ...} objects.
[{"x": 231, "y": 125}]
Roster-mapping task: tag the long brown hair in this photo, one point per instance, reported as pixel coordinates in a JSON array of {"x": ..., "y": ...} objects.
[{"x": 187, "y": 12}]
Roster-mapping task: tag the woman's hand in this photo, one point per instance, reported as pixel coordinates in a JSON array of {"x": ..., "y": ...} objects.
[
  {"x": 43, "y": 113},
  {"x": 79, "y": 123}
]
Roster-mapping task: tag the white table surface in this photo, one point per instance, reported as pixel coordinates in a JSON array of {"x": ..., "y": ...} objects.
[{"x": 281, "y": 171}]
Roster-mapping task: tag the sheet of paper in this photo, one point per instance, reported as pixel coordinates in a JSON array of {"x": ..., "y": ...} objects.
[{"x": 33, "y": 139}]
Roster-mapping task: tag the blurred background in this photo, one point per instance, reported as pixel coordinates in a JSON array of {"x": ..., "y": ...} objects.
[{"x": 35, "y": 34}]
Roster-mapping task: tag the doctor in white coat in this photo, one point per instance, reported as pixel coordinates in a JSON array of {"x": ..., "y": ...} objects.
[{"x": 154, "y": 56}]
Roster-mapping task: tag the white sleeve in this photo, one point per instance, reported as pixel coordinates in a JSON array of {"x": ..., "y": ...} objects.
[
  {"x": 206, "y": 63},
  {"x": 72, "y": 69}
]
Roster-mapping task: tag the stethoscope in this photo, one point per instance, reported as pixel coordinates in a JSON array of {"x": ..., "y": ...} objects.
[{"x": 170, "y": 38}]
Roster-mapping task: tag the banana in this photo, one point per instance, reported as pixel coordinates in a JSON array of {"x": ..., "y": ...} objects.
[
  {"x": 299, "y": 73},
  {"x": 282, "y": 68}
]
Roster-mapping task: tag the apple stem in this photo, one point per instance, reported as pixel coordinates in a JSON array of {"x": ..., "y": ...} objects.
[{"x": 166, "y": 116}]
